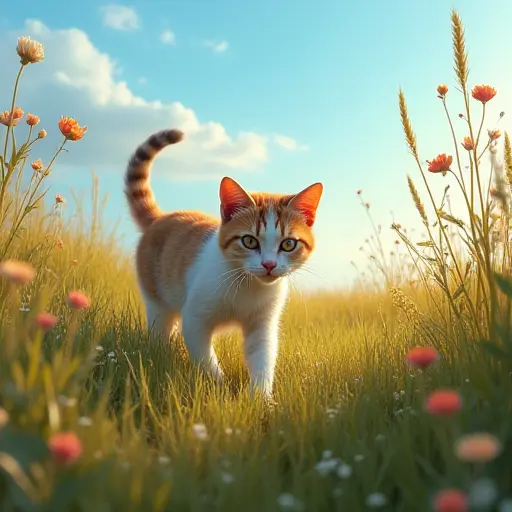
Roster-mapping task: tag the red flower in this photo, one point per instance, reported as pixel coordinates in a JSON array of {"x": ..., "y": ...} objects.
[
  {"x": 422, "y": 357},
  {"x": 441, "y": 163},
  {"x": 442, "y": 89},
  {"x": 483, "y": 93},
  {"x": 468, "y": 144},
  {"x": 65, "y": 447},
  {"x": 46, "y": 321},
  {"x": 32, "y": 119},
  {"x": 451, "y": 500},
  {"x": 443, "y": 402},
  {"x": 78, "y": 300},
  {"x": 70, "y": 128}
]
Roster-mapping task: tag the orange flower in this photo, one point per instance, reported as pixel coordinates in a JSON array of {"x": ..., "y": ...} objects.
[
  {"x": 46, "y": 321},
  {"x": 451, "y": 500},
  {"x": 78, "y": 300},
  {"x": 478, "y": 447},
  {"x": 37, "y": 165},
  {"x": 70, "y": 128},
  {"x": 483, "y": 93},
  {"x": 32, "y": 120},
  {"x": 59, "y": 244},
  {"x": 468, "y": 144},
  {"x": 443, "y": 402},
  {"x": 442, "y": 89},
  {"x": 17, "y": 272},
  {"x": 65, "y": 447},
  {"x": 441, "y": 163},
  {"x": 5, "y": 117},
  {"x": 41, "y": 134},
  {"x": 494, "y": 134},
  {"x": 59, "y": 199},
  {"x": 74, "y": 262},
  {"x": 29, "y": 50},
  {"x": 422, "y": 357}
]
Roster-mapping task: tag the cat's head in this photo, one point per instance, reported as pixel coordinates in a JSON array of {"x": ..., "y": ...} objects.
[{"x": 268, "y": 235}]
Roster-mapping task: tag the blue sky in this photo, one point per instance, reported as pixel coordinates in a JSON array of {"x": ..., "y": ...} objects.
[{"x": 323, "y": 75}]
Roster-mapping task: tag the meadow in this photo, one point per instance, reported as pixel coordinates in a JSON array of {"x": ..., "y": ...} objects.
[{"x": 392, "y": 397}]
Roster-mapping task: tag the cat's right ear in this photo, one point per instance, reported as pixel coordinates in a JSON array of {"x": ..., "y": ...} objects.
[{"x": 233, "y": 197}]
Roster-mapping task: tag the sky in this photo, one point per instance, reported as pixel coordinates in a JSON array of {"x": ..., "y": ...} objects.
[{"x": 277, "y": 95}]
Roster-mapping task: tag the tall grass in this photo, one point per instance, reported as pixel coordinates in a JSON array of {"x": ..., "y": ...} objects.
[{"x": 97, "y": 415}]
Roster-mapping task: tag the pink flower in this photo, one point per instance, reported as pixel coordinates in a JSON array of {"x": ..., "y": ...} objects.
[
  {"x": 17, "y": 272},
  {"x": 78, "y": 300},
  {"x": 422, "y": 357},
  {"x": 46, "y": 321},
  {"x": 65, "y": 447}
]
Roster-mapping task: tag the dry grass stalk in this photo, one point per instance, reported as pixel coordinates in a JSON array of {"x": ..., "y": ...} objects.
[{"x": 460, "y": 56}]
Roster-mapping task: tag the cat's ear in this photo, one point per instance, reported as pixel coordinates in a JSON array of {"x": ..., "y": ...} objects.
[
  {"x": 232, "y": 198},
  {"x": 306, "y": 202}
]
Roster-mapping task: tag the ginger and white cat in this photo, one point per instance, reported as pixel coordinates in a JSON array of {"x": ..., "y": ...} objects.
[{"x": 209, "y": 273}]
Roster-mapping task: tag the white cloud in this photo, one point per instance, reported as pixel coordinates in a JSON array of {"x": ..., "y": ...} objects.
[
  {"x": 217, "y": 46},
  {"x": 289, "y": 144},
  {"x": 168, "y": 37},
  {"x": 79, "y": 80},
  {"x": 120, "y": 17}
]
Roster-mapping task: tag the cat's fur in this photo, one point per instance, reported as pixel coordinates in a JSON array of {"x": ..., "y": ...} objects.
[{"x": 194, "y": 268}]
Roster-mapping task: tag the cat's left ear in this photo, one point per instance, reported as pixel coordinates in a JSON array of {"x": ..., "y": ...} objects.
[{"x": 306, "y": 202}]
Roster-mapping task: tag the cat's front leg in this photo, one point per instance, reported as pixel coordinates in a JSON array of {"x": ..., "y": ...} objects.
[{"x": 261, "y": 347}]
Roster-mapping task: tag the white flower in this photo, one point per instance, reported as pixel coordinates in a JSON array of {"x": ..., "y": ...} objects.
[
  {"x": 84, "y": 421},
  {"x": 359, "y": 458},
  {"x": 164, "y": 460},
  {"x": 327, "y": 454},
  {"x": 29, "y": 50},
  {"x": 288, "y": 501},
  {"x": 227, "y": 478},
  {"x": 483, "y": 493},
  {"x": 229, "y": 431},
  {"x": 99, "y": 348},
  {"x": 344, "y": 470},
  {"x": 200, "y": 431},
  {"x": 326, "y": 466},
  {"x": 376, "y": 500}
]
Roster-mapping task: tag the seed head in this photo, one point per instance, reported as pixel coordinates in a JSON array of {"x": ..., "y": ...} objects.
[
  {"x": 37, "y": 165},
  {"x": 42, "y": 134}
]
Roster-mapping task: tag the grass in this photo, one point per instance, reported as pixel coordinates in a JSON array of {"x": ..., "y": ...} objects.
[{"x": 349, "y": 432}]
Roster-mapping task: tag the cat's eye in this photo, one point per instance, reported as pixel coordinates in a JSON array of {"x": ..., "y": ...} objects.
[
  {"x": 288, "y": 245},
  {"x": 249, "y": 242}
]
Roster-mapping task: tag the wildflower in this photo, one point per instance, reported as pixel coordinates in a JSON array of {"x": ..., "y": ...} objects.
[
  {"x": 483, "y": 493},
  {"x": 65, "y": 447},
  {"x": 468, "y": 144},
  {"x": 74, "y": 262},
  {"x": 59, "y": 244},
  {"x": 200, "y": 431},
  {"x": 37, "y": 165},
  {"x": 478, "y": 447},
  {"x": 483, "y": 93},
  {"x": 422, "y": 357},
  {"x": 84, "y": 421},
  {"x": 29, "y": 50},
  {"x": 78, "y": 300},
  {"x": 46, "y": 321},
  {"x": 443, "y": 402},
  {"x": 376, "y": 500},
  {"x": 344, "y": 471},
  {"x": 7, "y": 120},
  {"x": 442, "y": 90},
  {"x": 4, "y": 417},
  {"x": 32, "y": 119},
  {"x": 288, "y": 501},
  {"x": 441, "y": 163},
  {"x": 367, "y": 205},
  {"x": 70, "y": 128},
  {"x": 227, "y": 478},
  {"x": 451, "y": 500},
  {"x": 164, "y": 460},
  {"x": 17, "y": 272},
  {"x": 58, "y": 199},
  {"x": 359, "y": 192},
  {"x": 494, "y": 134},
  {"x": 42, "y": 134}
]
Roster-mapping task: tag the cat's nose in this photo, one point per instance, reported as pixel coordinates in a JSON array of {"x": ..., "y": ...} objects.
[{"x": 269, "y": 265}]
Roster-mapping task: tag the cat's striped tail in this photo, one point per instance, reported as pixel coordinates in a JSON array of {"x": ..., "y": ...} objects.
[{"x": 138, "y": 191}]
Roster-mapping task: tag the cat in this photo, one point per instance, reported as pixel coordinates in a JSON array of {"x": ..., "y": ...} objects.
[{"x": 212, "y": 273}]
